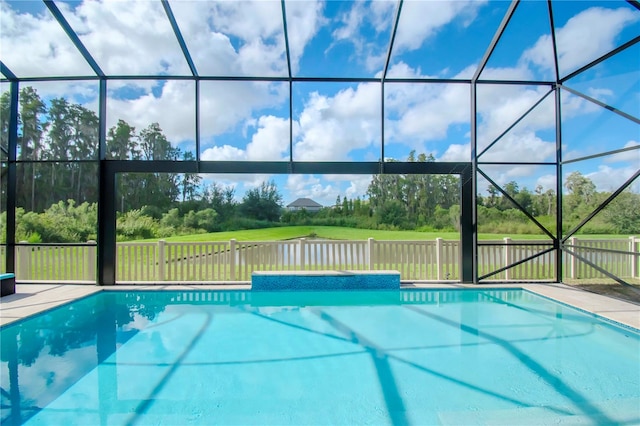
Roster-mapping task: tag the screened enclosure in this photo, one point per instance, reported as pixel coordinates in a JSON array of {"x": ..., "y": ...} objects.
[{"x": 110, "y": 108}]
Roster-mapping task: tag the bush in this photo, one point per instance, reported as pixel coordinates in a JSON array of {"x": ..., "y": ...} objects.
[{"x": 135, "y": 225}]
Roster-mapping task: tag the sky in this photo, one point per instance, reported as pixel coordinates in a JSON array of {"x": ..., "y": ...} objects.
[{"x": 245, "y": 120}]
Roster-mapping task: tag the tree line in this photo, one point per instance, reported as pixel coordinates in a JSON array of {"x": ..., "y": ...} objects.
[
  {"x": 57, "y": 149},
  {"x": 57, "y": 184}
]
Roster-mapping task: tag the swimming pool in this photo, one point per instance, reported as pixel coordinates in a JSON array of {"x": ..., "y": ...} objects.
[{"x": 349, "y": 357}]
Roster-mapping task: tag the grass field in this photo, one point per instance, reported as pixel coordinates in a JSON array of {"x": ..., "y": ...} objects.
[{"x": 341, "y": 233}]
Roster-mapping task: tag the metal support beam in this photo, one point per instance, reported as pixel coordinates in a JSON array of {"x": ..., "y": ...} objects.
[
  {"x": 602, "y": 206},
  {"x": 602, "y": 104},
  {"x": 197, "y": 123},
  {"x": 178, "y": 34},
  {"x": 394, "y": 30},
  {"x": 10, "y": 258},
  {"x": 602, "y": 154},
  {"x": 552, "y": 28},
  {"x": 496, "y": 38},
  {"x": 514, "y": 264},
  {"x": 474, "y": 174},
  {"x": 106, "y": 200},
  {"x": 601, "y": 58},
  {"x": 467, "y": 227},
  {"x": 53, "y": 8},
  {"x": 559, "y": 218},
  {"x": 7, "y": 72},
  {"x": 110, "y": 168},
  {"x": 506, "y": 195},
  {"x": 107, "y": 225},
  {"x": 286, "y": 37},
  {"x": 634, "y": 3},
  {"x": 515, "y": 123},
  {"x": 602, "y": 270},
  {"x": 290, "y": 75}
]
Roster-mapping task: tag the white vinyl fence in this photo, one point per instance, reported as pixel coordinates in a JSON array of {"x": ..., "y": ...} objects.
[{"x": 435, "y": 260}]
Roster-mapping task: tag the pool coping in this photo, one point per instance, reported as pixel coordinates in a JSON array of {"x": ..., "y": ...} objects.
[{"x": 31, "y": 299}]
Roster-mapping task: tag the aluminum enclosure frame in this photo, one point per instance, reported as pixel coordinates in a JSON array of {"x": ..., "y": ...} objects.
[
  {"x": 110, "y": 168},
  {"x": 468, "y": 171}
]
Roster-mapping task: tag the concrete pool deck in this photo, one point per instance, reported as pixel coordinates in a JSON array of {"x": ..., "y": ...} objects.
[{"x": 31, "y": 299}]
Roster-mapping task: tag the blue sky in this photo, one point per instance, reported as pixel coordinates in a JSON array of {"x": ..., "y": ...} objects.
[{"x": 343, "y": 121}]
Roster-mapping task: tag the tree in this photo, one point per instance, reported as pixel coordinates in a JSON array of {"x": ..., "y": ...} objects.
[
  {"x": 581, "y": 185},
  {"x": 623, "y": 213},
  {"x": 122, "y": 142},
  {"x": 5, "y": 108},
  {"x": 581, "y": 196},
  {"x": 73, "y": 135},
  {"x": 512, "y": 189},
  {"x": 392, "y": 213},
  {"x": 525, "y": 199},
  {"x": 492, "y": 200},
  {"x": 190, "y": 181},
  {"x": 32, "y": 119},
  {"x": 222, "y": 200},
  {"x": 262, "y": 203},
  {"x": 157, "y": 189}
]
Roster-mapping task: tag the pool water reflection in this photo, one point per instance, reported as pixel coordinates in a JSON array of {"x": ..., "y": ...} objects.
[{"x": 384, "y": 357}]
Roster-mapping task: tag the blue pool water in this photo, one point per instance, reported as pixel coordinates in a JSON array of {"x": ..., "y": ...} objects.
[{"x": 361, "y": 357}]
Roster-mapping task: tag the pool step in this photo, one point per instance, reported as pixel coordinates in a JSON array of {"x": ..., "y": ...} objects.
[{"x": 325, "y": 280}]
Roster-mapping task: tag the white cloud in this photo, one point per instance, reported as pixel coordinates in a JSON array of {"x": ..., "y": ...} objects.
[
  {"x": 132, "y": 37},
  {"x": 304, "y": 19},
  {"x": 176, "y": 96},
  {"x": 326, "y": 188},
  {"x": 361, "y": 181},
  {"x": 421, "y": 20},
  {"x": 501, "y": 106},
  {"x": 426, "y": 111},
  {"x": 522, "y": 146},
  {"x": 547, "y": 182},
  {"x": 332, "y": 127},
  {"x": 351, "y": 22},
  {"x": 358, "y": 186},
  {"x": 234, "y": 38},
  {"x": 584, "y": 37},
  {"x": 456, "y": 152},
  {"x": 607, "y": 178},
  {"x": 223, "y": 153},
  {"x": 354, "y": 27},
  {"x": 50, "y": 52},
  {"x": 270, "y": 141}
]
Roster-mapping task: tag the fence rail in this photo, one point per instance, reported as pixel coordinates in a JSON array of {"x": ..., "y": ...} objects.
[{"x": 433, "y": 260}]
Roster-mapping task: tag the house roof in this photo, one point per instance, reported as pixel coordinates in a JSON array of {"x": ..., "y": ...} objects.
[{"x": 304, "y": 202}]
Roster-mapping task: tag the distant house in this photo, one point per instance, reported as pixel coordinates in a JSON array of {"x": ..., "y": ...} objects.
[{"x": 304, "y": 203}]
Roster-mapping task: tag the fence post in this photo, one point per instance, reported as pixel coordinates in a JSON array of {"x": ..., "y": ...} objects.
[
  {"x": 370, "y": 248},
  {"x": 574, "y": 260},
  {"x": 302, "y": 254},
  {"x": 161, "y": 260},
  {"x": 508, "y": 258},
  {"x": 634, "y": 257},
  {"x": 90, "y": 261},
  {"x": 439, "y": 259},
  {"x": 232, "y": 259},
  {"x": 23, "y": 261}
]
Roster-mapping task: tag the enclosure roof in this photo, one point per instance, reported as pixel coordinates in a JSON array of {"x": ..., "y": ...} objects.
[{"x": 306, "y": 40}]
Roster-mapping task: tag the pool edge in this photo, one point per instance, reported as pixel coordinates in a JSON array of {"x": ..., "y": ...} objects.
[{"x": 32, "y": 299}]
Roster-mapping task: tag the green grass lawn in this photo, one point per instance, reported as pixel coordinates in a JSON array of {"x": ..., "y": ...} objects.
[{"x": 342, "y": 233}]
